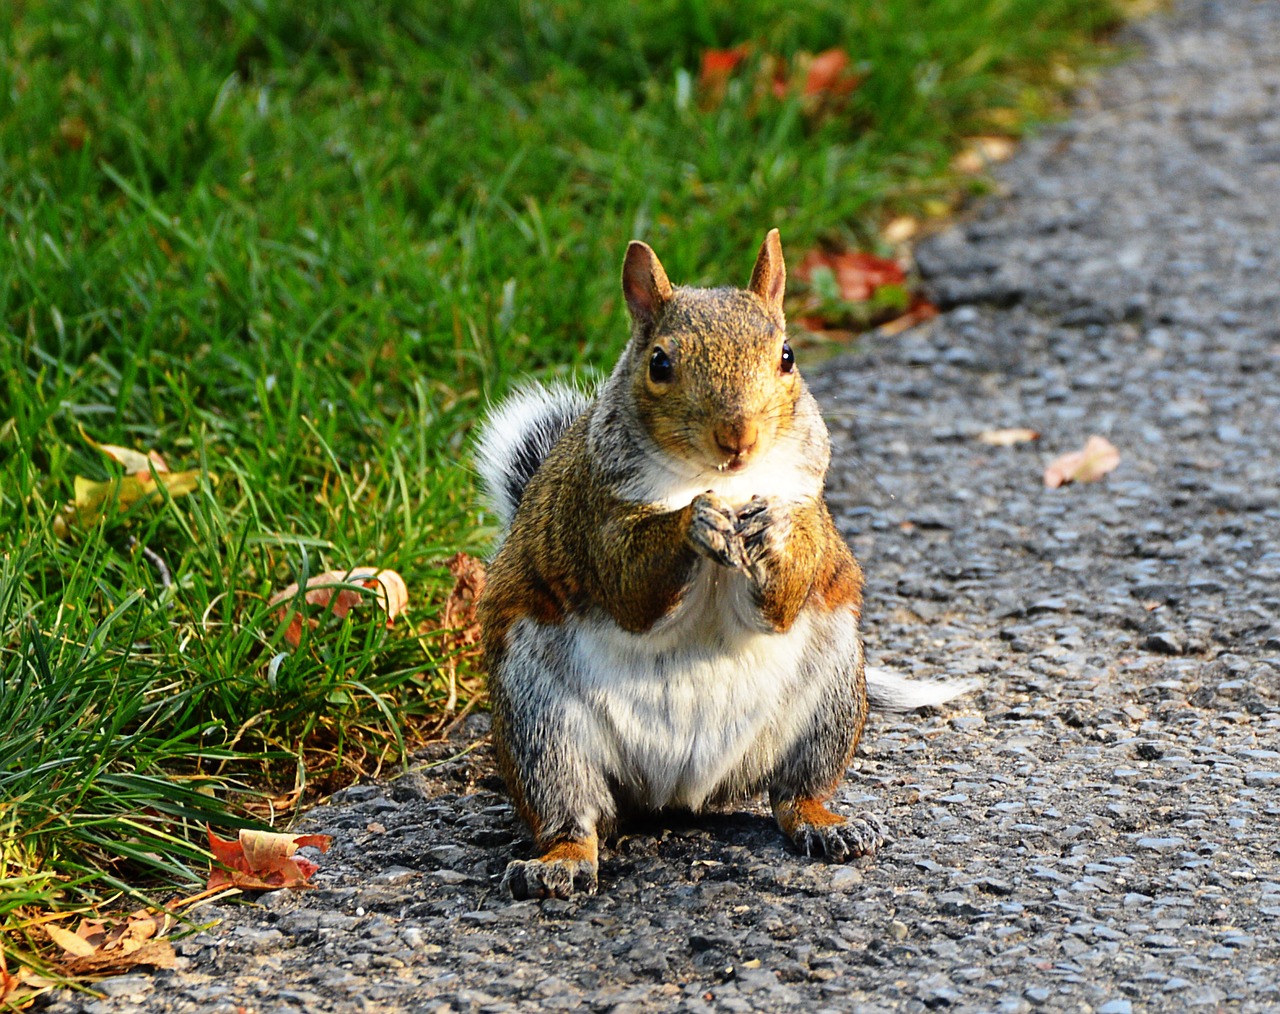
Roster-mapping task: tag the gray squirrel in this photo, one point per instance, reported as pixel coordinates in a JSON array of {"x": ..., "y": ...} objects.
[{"x": 671, "y": 620}]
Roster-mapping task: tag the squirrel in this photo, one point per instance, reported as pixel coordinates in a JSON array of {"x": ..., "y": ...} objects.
[{"x": 671, "y": 617}]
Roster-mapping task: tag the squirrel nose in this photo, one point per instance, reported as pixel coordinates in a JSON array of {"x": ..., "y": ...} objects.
[{"x": 736, "y": 438}]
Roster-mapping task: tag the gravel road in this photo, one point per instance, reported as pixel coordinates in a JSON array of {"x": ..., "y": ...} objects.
[{"x": 1096, "y": 830}]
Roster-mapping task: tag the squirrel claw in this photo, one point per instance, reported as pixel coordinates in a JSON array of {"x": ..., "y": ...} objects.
[
  {"x": 857, "y": 836},
  {"x": 712, "y": 531},
  {"x": 555, "y": 878}
]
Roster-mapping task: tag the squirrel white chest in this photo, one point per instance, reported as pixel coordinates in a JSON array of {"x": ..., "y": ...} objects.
[{"x": 703, "y": 696}]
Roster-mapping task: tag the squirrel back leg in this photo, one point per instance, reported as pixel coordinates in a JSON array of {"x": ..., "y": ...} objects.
[
  {"x": 543, "y": 739},
  {"x": 813, "y": 767}
]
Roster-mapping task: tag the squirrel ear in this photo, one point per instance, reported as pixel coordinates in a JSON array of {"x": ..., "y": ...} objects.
[
  {"x": 769, "y": 278},
  {"x": 644, "y": 283}
]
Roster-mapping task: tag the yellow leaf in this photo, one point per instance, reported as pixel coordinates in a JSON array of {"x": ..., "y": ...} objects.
[
  {"x": 138, "y": 462},
  {"x": 92, "y": 498}
]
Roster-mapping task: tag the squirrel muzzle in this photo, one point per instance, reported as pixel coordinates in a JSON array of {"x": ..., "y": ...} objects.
[{"x": 736, "y": 442}]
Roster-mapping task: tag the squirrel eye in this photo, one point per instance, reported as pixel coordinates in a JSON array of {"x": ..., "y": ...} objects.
[
  {"x": 660, "y": 368},
  {"x": 788, "y": 358}
]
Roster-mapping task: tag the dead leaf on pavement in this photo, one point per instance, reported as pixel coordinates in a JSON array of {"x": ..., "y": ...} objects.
[
  {"x": 336, "y": 587},
  {"x": 1088, "y": 465},
  {"x": 263, "y": 860},
  {"x": 1008, "y": 437},
  {"x": 114, "y": 942}
]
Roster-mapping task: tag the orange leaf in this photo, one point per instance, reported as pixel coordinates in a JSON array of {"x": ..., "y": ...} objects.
[
  {"x": 1088, "y": 465},
  {"x": 263, "y": 860},
  {"x": 1007, "y": 438},
  {"x": 326, "y": 588},
  {"x": 717, "y": 67},
  {"x": 826, "y": 74},
  {"x": 857, "y": 274}
]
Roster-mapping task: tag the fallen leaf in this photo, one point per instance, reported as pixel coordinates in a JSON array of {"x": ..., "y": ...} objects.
[
  {"x": 114, "y": 942},
  {"x": 139, "y": 462},
  {"x": 263, "y": 860},
  {"x": 1007, "y": 438},
  {"x": 981, "y": 153},
  {"x": 461, "y": 628},
  {"x": 919, "y": 311},
  {"x": 900, "y": 229},
  {"x": 857, "y": 274},
  {"x": 1088, "y": 465},
  {"x": 154, "y": 954},
  {"x": 148, "y": 474},
  {"x": 828, "y": 73},
  {"x": 72, "y": 944},
  {"x": 717, "y": 67},
  {"x": 333, "y": 590}
]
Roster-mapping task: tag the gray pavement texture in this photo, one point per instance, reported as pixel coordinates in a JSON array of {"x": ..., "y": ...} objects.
[{"x": 1096, "y": 830}]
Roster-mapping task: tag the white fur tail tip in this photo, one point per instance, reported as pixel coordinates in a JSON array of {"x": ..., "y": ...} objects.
[
  {"x": 889, "y": 692},
  {"x": 518, "y": 434}
]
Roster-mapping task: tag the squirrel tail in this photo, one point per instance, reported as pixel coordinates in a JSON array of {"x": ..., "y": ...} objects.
[
  {"x": 890, "y": 692},
  {"x": 517, "y": 435}
]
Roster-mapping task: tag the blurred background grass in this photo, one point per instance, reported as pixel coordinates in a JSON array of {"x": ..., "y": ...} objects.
[{"x": 298, "y": 247}]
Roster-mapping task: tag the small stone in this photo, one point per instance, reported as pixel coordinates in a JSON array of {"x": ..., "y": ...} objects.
[
  {"x": 1162, "y": 844},
  {"x": 898, "y": 930}
]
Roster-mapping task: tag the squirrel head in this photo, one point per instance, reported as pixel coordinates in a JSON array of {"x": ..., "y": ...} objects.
[{"x": 713, "y": 379}]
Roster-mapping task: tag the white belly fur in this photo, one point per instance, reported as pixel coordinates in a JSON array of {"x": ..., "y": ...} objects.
[{"x": 679, "y": 708}]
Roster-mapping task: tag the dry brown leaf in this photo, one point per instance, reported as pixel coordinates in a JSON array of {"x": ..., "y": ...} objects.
[
  {"x": 333, "y": 587},
  {"x": 1007, "y": 437},
  {"x": 263, "y": 860},
  {"x": 154, "y": 954},
  {"x": 919, "y": 311},
  {"x": 461, "y": 629},
  {"x": 73, "y": 945},
  {"x": 1088, "y": 465}
]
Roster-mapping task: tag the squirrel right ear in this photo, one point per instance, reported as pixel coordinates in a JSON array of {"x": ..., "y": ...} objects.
[
  {"x": 769, "y": 278},
  {"x": 644, "y": 284}
]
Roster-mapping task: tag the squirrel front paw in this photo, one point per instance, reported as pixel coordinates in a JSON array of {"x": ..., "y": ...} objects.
[
  {"x": 762, "y": 526},
  {"x": 713, "y": 531}
]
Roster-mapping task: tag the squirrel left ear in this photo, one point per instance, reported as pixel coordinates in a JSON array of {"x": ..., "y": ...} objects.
[
  {"x": 769, "y": 278},
  {"x": 644, "y": 284}
]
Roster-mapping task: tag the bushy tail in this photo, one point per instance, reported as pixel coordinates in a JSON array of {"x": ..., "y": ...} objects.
[
  {"x": 890, "y": 692},
  {"x": 516, "y": 437}
]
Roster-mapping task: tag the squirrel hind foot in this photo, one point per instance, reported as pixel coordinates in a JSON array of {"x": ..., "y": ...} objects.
[
  {"x": 566, "y": 868},
  {"x": 817, "y": 832},
  {"x": 559, "y": 878}
]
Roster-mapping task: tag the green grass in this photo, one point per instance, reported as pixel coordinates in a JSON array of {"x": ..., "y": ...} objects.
[{"x": 297, "y": 247}]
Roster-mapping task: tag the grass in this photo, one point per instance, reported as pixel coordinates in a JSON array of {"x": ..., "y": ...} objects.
[{"x": 297, "y": 247}]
